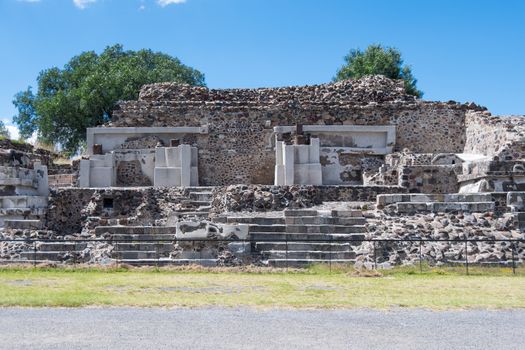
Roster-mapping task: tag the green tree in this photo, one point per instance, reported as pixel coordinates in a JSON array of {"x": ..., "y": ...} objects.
[
  {"x": 4, "y": 132},
  {"x": 83, "y": 93},
  {"x": 377, "y": 59}
]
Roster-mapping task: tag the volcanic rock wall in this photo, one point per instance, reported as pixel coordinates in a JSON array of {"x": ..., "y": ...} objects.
[
  {"x": 257, "y": 198},
  {"x": 495, "y": 136},
  {"x": 71, "y": 209},
  {"x": 238, "y": 148}
]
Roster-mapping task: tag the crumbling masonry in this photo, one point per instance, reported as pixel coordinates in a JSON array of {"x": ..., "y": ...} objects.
[{"x": 249, "y": 170}]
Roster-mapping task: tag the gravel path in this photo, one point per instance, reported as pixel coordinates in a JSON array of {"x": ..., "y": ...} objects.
[{"x": 216, "y": 328}]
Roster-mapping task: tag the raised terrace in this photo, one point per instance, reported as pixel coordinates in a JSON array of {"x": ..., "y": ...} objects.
[{"x": 277, "y": 177}]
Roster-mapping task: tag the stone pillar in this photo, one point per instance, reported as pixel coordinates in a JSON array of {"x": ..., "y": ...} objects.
[
  {"x": 279, "y": 164},
  {"x": 176, "y": 166},
  {"x": 42, "y": 179},
  {"x": 98, "y": 171},
  {"x": 185, "y": 165},
  {"x": 313, "y": 150},
  {"x": 83, "y": 176},
  {"x": 289, "y": 164},
  {"x": 298, "y": 164}
]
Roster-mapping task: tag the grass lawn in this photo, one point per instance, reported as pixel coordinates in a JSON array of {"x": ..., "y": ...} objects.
[{"x": 316, "y": 287}]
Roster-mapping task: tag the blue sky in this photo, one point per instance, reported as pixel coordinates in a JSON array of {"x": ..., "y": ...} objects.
[{"x": 460, "y": 50}]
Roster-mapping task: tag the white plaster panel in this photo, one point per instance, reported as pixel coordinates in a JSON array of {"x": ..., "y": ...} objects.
[{"x": 112, "y": 137}]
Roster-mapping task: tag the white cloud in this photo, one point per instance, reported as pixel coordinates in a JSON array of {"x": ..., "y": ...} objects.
[
  {"x": 82, "y": 4},
  {"x": 169, "y": 2},
  {"x": 13, "y": 132}
]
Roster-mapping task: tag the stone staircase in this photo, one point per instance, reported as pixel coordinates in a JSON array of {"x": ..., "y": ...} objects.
[
  {"x": 25, "y": 212},
  {"x": 198, "y": 203},
  {"x": 153, "y": 245},
  {"x": 304, "y": 237},
  {"x": 143, "y": 245},
  {"x": 516, "y": 203},
  {"x": 22, "y": 205},
  {"x": 45, "y": 252},
  {"x": 160, "y": 248},
  {"x": 62, "y": 180},
  {"x": 413, "y": 203}
]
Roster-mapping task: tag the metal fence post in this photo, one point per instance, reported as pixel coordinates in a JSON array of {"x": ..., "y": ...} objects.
[
  {"x": 420, "y": 256},
  {"x": 375, "y": 257},
  {"x": 119, "y": 254},
  {"x": 330, "y": 253},
  {"x": 466, "y": 255},
  {"x": 513, "y": 247},
  {"x": 157, "y": 254},
  {"x": 73, "y": 253},
  {"x": 286, "y": 250},
  {"x": 34, "y": 253}
]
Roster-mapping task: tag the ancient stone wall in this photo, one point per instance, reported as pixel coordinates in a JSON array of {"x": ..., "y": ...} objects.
[
  {"x": 257, "y": 198},
  {"x": 239, "y": 149},
  {"x": 454, "y": 226},
  {"x": 430, "y": 178},
  {"x": 495, "y": 136},
  {"x": 71, "y": 209},
  {"x": 24, "y": 155}
]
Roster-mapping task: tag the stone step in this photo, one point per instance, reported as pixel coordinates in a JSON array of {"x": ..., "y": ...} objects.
[
  {"x": 170, "y": 262},
  {"x": 267, "y": 228},
  {"x": 305, "y": 262},
  {"x": 308, "y": 255},
  {"x": 195, "y": 203},
  {"x": 150, "y": 230},
  {"x": 202, "y": 196},
  {"x": 138, "y": 254},
  {"x": 324, "y": 229},
  {"x": 324, "y": 220},
  {"x": 144, "y": 246},
  {"x": 188, "y": 213},
  {"x": 298, "y": 246},
  {"x": 105, "y": 222},
  {"x": 49, "y": 255},
  {"x": 253, "y": 220},
  {"x": 4, "y": 218},
  {"x": 61, "y": 246},
  {"x": 200, "y": 188},
  {"x": 61, "y": 185},
  {"x": 153, "y": 238},
  {"x": 270, "y": 236},
  {"x": 312, "y": 212},
  {"x": 347, "y": 213},
  {"x": 300, "y": 212},
  {"x": 21, "y": 216},
  {"x": 18, "y": 182},
  {"x": 23, "y": 212},
  {"x": 24, "y": 262},
  {"x": 23, "y": 224},
  {"x": 23, "y": 202},
  {"x": 387, "y": 199},
  {"x": 473, "y": 207},
  {"x": 10, "y": 171}
]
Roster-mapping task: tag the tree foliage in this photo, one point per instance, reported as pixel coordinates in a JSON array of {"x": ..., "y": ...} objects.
[
  {"x": 83, "y": 93},
  {"x": 377, "y": 59},
  {"x": 4, "y": 132}
]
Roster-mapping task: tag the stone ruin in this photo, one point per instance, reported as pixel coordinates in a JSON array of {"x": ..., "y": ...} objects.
[{"x": 277, "y": 176}]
